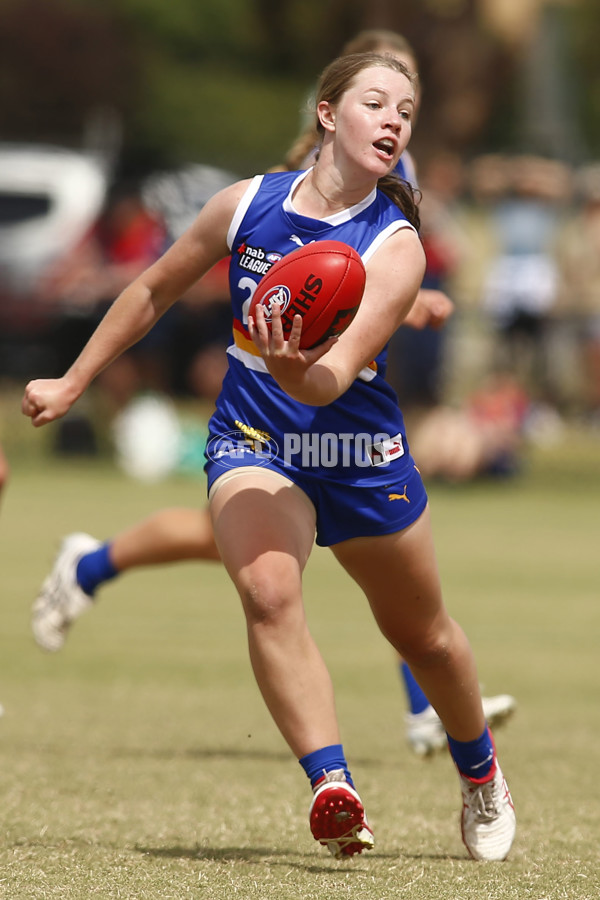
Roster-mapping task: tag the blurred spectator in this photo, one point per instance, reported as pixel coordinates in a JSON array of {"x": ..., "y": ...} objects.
[
  {"x": 483, "y": 438},
  {"x": 521, "y": 288},
  {"x": 81, "y": 285},
  {"x": 124, "y": 240},
  {"x": 579, "y": 267}
]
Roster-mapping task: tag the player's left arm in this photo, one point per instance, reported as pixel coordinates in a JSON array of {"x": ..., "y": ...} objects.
[{"x": 319, "y": 376}]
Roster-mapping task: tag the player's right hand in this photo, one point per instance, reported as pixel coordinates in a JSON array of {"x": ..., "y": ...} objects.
[{"x": 47, "y": 399}]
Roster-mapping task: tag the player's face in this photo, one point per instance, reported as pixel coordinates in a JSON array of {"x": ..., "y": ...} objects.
[{"x": 373, "y": 119}]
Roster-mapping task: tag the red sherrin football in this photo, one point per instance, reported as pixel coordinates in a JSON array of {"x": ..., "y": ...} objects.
[{"x": 323, "y": 282}]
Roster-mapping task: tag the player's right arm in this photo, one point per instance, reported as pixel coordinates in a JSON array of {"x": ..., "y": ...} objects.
[
  {"x": 319, "y": 376},
  {"x": 139, "y": 306}
]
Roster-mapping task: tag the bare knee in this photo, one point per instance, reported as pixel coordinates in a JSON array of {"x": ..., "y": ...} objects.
[
  {"x": 427, "y": 649},
  {"x": 270, "y": 602}
]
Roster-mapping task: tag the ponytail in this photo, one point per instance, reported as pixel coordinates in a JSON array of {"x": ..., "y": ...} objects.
[{"x": 403, "y": 195}]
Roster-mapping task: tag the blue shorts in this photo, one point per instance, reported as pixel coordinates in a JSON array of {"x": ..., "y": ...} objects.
[{"x": 347, "y": 511}]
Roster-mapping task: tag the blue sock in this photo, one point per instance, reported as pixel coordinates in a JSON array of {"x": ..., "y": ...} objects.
[
  {"x": 473, "y": 758},
  {"x": 94, "y": 569},
  {"x": 317, "y": 763},
  {"x": 417, "y": 701}
]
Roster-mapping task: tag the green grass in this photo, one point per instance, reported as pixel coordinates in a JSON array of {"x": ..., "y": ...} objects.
[{"x": 141, "y": 763}]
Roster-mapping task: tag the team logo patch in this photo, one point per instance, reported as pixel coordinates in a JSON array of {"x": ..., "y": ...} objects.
[
  {"x": 402, "y": 496},
  {"x": 247, "y": 444},
  {"x": 383, "y": 452},
  {"x": 279, "y": 295},
  {"x": 256, "y": 259}
]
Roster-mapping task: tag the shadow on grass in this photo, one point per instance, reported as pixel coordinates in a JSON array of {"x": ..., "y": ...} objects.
[
  {"x": 216, "y": 854},
  {"x": 285, "y": 857},
  {"x": 260, "y": 754},
  {"x": 203, "y": 753},
  {"x": 312, "y": 862},
  {"x": 227, "y": 753}
]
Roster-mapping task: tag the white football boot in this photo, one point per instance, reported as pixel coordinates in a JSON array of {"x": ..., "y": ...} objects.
[
  {"x": 61, "y": 600},
  {"x": 488, "y": 821},
  {"x": 425, "y": 732}
]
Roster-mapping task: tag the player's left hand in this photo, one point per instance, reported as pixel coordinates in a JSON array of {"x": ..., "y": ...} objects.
[
  {"x": 285, "y": 359},
  {"x": 431, "y": 309}
]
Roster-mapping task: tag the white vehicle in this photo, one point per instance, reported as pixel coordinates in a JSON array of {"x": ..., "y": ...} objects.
[{"x": 49, "y": 197}]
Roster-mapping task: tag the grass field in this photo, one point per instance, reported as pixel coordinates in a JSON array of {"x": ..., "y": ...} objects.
[{"x": 140, "y": 762}]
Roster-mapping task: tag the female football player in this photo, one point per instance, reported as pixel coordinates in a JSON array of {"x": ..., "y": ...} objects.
[
  {"x": 265, "y": 516},
  {"x": 83, "y": 563}
]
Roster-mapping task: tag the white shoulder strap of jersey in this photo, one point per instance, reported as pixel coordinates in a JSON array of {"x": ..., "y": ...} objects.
[{"x": 242, "y": 208}]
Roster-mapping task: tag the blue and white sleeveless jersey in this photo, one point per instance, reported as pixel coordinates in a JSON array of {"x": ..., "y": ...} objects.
[{"x": 365, "y": 422}]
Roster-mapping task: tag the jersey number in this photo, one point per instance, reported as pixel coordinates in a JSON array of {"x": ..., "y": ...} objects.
[{"x": 249, "y": 285}]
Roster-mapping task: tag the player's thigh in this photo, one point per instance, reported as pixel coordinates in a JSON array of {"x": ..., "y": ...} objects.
[
  {"x": 264, "y": 528},
  {"x": 398, "y": 573}
]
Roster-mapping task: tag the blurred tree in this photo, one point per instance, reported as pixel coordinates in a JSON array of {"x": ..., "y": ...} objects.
[
  {"x": 548, "y": 110},
  {"x": 463, "y": 67},
  {"x": 224, "y": 81},
  {"x": 59, "y": 62},
  {"x": 304, "y": 36},
  {"x": 583, "y": 28}
]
